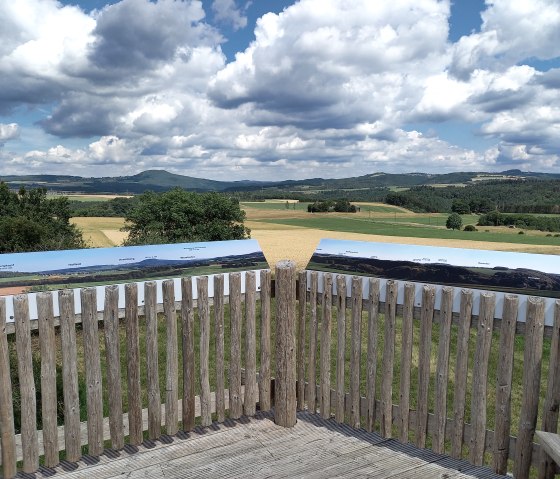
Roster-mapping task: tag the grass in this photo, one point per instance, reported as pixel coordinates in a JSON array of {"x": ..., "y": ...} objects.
[{"x": 365, "y": 226}]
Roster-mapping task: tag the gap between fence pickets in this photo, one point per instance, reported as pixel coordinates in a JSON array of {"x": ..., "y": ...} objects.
[
  {"x": 34, "y": 324},
  {"x": 106, "y": 431}
]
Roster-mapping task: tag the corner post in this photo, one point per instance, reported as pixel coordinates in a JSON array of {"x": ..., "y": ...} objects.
[{"x": 285, "y": 383}]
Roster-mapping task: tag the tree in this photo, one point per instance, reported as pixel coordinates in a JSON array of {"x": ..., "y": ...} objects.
[
  {"x": 460, "y": 207},
  {"x": 454, "y": 221},
  {"x": 29, "y": 221},
  {"x": 178, "y": 216}
]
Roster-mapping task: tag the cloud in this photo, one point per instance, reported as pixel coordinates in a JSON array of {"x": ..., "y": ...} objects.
[
  {"x": 8, "y": 132},
  {"x": 512, "y": 31},
  {"x": 226, "y": 11},
  {"x": 324, "y": 63},
  {"x": 327, "y": 88}
]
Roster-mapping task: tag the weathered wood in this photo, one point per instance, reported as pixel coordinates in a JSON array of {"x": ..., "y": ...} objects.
[
  {"x": 236, "y": 404},
  {"x": 265, "y": 375},
  {"x": 172, "y": 358},
  {"x": 70, "y": 375},
  {"x": 503, "y": 384},
  {"x": 250, "y": 398},
  {"x": 341, "y": 347},
  {"x": 550, "y": 443},
  {"x": 204, "y": 318},
  {"x": 219, "y": 346},
  {"x": 532, "y": 360},
  {"x": 7, "y": 430},
  {"x": 187, "y": 340},
  {"x": 133, "y": 364},
  {"x": 113, "y": 363},
  {"x": 480, "y": 377},
  {"x": 302, "y": 314},
  {"x": 386, "y": 410},
  {"x": 325, "y": 368},
  {"x": 285, "y": 404},
  {"x": 552, "y": 399},
  {"x": 26, "y": 384},
  {"x": 461, "y": 372},
  {"x": 152, "y": 361},
  {"x": 426, "y": 320},
  {"x": 313, "y": 337},
  {"x": 45, "y": 318},
  {"x": 371, "y": 367},
  {"x": 92, "y": 366},
  {"x": 442, "y": 371},
  {"x": 406, "y": 361},
  {"x": 356, "y": 349}
]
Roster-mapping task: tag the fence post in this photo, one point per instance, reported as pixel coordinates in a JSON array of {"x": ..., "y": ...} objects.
[{"x": 285, "y": 386}]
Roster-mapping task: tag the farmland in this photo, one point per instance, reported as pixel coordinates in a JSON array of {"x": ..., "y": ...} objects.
[{"x": 290, "y": 232}]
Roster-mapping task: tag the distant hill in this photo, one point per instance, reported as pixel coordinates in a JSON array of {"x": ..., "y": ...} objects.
[{"x": 161, "y": 180}]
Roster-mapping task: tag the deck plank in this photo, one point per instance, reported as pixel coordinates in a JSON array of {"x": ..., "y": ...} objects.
[{"x": 258, "y": 448}]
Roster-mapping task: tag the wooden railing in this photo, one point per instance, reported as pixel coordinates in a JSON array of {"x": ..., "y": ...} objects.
[
  {"x": 386, "y": 356},
  {"x": 420, "y": 374}
]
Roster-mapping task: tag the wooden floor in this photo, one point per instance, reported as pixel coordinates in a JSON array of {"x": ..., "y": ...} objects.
[{"x": 257, "y": 448}]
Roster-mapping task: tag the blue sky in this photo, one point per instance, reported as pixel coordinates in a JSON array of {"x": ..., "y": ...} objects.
[{"x": 277, "y": 89}]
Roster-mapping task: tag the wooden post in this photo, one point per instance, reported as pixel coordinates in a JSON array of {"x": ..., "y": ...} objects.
[
  {"x": 7, "y": 434},
  {"x": 461, "y": 370},
  {"x": 92, "y": 365},
  {"x": 424, "y": 356},
  {"x": 552, "y": 400},
  {"x": 250, "y": 399},
  {"x": 72, "y": 440},
  {"x": 45, "y": 318},
  {"x": 264, "y": 380},
  {"x": 480, "y": 378},
  {"x": 406, "y": 361},
  {"x": 503, "y": 384},
  {"x": 219, "y": 337},
  {"x": 355, "y": 358},
  {"x": 187, "y": 339},
  {"x": 313, "y": 333},
  {"x": 325, "y": 369},
  {"x": 113, "y": 357},
  {"x": 302, "y": 312},
  {"x": 172, "y": 358},
  {"x": 386, "y": 418},
  {"x": 235, "y": 308},
  {"x": 133, "y": 364},
  {"x": 29, "y": 439},
  {"x": 532, "y": 360},
  {"x": 285, "y": 386},
  {"x": 204, "y": 318},
  {"x": 152, "y": 361},
  {"x": 341, "y": 347},
  {"x": 442, "y": 369},
  {"x": 373, "y": 319}
]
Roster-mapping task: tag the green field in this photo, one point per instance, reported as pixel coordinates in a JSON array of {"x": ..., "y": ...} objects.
[
  {"x": 365, "y": 226},
  {"x": 274, "y": 205}
]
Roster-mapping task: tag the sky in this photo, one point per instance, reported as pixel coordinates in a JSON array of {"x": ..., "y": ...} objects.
[{"x": 278, "y": 89}]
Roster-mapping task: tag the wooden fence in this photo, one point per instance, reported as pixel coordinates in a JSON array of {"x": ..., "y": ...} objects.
[{"x": 419, "y": 374}]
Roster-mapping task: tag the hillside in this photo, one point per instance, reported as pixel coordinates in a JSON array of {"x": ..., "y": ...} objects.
[{"x": 161, "y": 180}]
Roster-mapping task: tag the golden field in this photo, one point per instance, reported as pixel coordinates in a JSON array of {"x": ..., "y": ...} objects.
[{"x": 298, "y": 243}]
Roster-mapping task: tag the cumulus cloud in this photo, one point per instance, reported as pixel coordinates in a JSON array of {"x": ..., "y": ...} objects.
[
  {"x": 226, "y": 11},
  {"x": 326, "y": 88},
  {"x": 8, "y": 132},
  {"x": 325, "y": 63}
]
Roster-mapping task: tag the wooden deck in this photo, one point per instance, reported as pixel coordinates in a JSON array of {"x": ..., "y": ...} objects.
[{"x": 257, "y": 448}]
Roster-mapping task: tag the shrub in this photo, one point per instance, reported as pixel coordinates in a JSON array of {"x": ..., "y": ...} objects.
[{"x": 469, "y": 228}]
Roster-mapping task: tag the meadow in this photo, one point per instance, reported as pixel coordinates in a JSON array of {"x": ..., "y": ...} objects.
[{"x": 293, "y": 233}]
